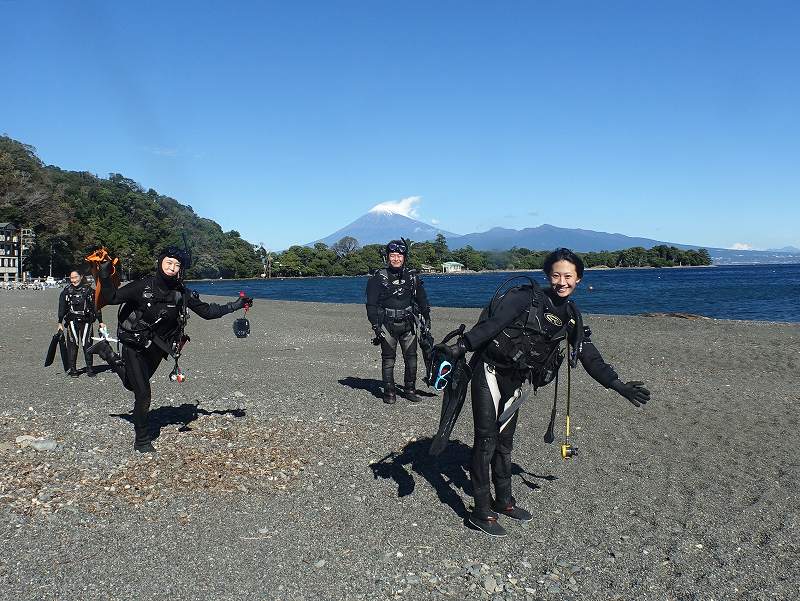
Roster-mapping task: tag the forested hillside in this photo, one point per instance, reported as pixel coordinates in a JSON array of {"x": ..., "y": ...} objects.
[{"x": 73, "y": 213}]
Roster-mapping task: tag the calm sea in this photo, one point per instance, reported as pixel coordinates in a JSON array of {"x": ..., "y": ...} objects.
[{"x": 758, "y": 292}]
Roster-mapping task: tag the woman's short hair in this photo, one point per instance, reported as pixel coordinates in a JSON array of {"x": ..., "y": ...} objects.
[{"x": 563, "y": 254}]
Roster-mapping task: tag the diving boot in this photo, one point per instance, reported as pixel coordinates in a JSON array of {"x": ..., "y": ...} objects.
[
  {"x": 486, "y": 521},
  {"x": 410, "y": 392},
  {"x": 513, "y": 511},
  {"x": 73, "y": 373},
  {"x": 146, "y": 447},
  {"x": 389, "y": 394},
  {"x": 143, "y": 443},
  {"x": 106, "y": 353}
]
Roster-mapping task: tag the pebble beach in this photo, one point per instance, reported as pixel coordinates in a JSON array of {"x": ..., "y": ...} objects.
[{"x": 282, "y": 475}]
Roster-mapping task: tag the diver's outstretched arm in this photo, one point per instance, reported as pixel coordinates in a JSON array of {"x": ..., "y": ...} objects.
[{"x": 213, "y": 310}]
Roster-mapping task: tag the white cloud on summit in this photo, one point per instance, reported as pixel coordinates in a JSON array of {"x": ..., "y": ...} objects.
[
  {"x": 406, "y": 207},
  {"x": 741, "y": 246}
]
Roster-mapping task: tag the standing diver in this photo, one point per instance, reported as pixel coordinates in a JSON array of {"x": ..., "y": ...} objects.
[
  {"x": 395, "y": 295},
  {"x": 151, "y": 327},
  {"x": 517, "y": 338},
  {"x": 77, "y": 314}
]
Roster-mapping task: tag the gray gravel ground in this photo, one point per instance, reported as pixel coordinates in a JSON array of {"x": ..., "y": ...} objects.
[{"x": 269, "y": 483}]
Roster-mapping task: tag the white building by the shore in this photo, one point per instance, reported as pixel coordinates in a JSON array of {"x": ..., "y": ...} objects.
[{"x": 452, "y": 267}]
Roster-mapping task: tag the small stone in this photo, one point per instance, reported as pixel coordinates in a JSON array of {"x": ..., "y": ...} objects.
[
  {"x": 489, "y": 584},
  {"x": 44, "y": 445},
  {"x": 530, "y": 590},
  {"x": 554, "y": 589},
  {"x": 526, "y": 565},
  {"x": 237, "y": 394},
  {"x": 412, "y": 579},
  {"x": 320, "y": 563}
]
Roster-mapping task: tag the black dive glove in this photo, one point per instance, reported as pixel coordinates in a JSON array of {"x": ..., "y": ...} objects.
[
  {"x": 239, "y": 303},
  {"x": 378, "y": 335},
  {"x": 453, "y": 351},
  {"x": 635, "y": 392}
]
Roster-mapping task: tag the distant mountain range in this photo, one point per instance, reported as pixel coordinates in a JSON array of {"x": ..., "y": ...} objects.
[{"x": 380, "y": 226}]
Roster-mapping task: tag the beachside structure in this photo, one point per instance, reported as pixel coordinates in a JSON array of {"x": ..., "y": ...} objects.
[
  {"x": 452, "y": 267},
  {"x": 427, "y": 268},
  {"x": 15, "y": 244}
]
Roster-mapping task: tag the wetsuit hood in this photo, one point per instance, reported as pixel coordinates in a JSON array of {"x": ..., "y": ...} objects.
[
  {"x": 396, "y": 246},
  {"x": 175, "y": 253}
]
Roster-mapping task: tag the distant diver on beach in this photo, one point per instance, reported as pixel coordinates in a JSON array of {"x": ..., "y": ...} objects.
[
  {"x": 76, "y": 316},
  {"x": 151, "y": 327},
  {"x": 517, "y": 340},
  {"x": 397, "y": 306}
]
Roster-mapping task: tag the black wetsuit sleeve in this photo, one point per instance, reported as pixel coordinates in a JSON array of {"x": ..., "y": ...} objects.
[
  {"x": 595, "y": 366},
  {"x": 422, "y": 300},
  {"x": 204, "y": 309},
  {"x": 373, "y": 295},
  {"x": 116, "y": 296},
  {"x": 62, "y": 305},
  {"x": 513, "y": 304}
]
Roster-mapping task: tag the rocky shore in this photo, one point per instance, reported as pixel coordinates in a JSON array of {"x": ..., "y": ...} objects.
[{"x": 282, "y": 475}]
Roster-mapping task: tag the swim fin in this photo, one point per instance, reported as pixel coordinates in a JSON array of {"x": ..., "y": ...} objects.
[
  {"x": 452, "y": 402},
  {"x": 51, "y": 350},
  {"x": 62, "y": 347},
  {"x": 95, "y": 259}
]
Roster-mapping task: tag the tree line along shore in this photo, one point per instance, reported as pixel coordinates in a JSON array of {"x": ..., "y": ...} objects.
[{"x": 72, "y": 213}]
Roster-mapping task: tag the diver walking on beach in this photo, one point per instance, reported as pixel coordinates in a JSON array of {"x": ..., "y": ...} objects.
[
  {"x": 396, "y": 299},
  {"x": 517, "y": 340},
  {"x": 76, "y": 316},
  {"x": 151, "y": 326}
]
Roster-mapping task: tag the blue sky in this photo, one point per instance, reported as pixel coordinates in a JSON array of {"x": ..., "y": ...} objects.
[{"x": 285, "y": 121}]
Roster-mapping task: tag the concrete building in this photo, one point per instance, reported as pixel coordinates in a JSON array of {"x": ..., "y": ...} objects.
[
  {"x": 9, "y": 253},
  {"x": 452, "y": 267},
  {"x": 15, "y": 245}
]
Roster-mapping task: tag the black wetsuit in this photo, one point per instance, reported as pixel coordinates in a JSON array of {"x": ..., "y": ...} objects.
[
  {"x": 393, "y": 297},
  {"x": 518, "y": 343},
  {"x": 77, "y": 313},
  {"x": 149, "y": 326}
]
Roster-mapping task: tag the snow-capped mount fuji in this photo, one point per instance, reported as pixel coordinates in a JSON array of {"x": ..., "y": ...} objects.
[{"x": 378, "y": 226}]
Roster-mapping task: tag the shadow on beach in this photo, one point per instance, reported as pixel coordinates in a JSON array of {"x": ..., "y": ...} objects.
[
  {"x": 371, "y": 385},
  {"x": 448, "y": 473},
  {"x": 375, "y": 387},
  {"x": 182, "y": 415}
]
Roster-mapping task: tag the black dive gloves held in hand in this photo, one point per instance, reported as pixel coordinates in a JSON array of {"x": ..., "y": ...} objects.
[
  {"x": 240, "y": 303},
  {"x": 635, "y": 392},
  {"x": 453, "y": 351},
  {"x": 378, "y": 334}
]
